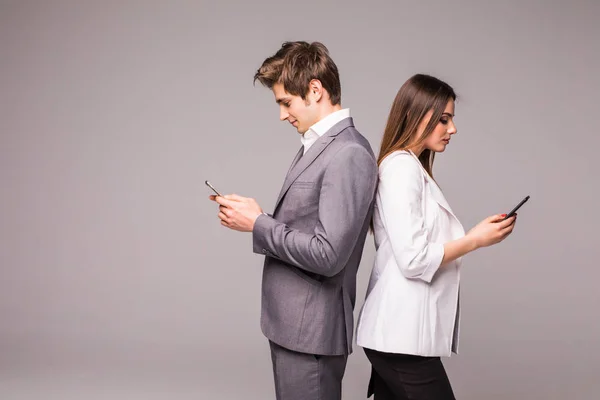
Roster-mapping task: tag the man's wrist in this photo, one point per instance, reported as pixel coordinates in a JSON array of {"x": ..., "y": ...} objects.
[{"x": 254, "y": 221}]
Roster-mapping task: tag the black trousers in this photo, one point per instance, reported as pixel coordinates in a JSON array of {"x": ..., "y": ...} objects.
[{"x": 404, "y": 376}]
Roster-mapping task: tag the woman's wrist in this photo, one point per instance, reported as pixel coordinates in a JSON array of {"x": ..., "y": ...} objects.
[{"x": 471, "y": 242}]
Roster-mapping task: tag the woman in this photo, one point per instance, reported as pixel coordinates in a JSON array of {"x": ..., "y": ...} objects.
[{"x": 411, "y": 314}]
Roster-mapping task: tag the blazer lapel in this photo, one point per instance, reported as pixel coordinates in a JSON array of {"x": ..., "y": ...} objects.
[
  {"x": 298, "y": 156},
  {"x": 438, "y": 195},
  {"x": 301, "y": 162},
  {"x": 436, "y": 192}
]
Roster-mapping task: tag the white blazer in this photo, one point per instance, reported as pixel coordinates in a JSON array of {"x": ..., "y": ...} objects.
[{"x": 412, "y": 304}]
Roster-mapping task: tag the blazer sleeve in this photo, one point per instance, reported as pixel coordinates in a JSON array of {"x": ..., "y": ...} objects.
[
  {"x": 402, "y": 204},
  {"x": 346, "y": 198}
]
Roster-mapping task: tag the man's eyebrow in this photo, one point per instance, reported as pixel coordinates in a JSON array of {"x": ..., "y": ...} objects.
[{"x": 279, "y": 101}]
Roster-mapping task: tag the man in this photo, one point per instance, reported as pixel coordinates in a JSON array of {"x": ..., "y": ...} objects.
[{"x": 313, "y": 241}]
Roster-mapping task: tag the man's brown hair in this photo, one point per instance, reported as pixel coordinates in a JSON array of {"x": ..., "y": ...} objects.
[{"x": 296, "y": 64}]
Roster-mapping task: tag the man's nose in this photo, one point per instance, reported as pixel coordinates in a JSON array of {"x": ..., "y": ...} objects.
[{"x": 283, "y": 114}]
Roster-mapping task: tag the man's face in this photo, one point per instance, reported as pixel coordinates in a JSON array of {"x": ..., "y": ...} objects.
[{"x": 298, "y": 112}]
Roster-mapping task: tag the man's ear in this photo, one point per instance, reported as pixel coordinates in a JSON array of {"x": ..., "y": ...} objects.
[{"x": 315, "y": 90}]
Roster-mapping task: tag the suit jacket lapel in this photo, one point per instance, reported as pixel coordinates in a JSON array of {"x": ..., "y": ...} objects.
[
  {"x": 296, "y": 159},
  {"x": 300, "y": 163}
]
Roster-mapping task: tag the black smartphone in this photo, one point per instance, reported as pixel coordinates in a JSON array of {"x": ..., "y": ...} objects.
[
  {"x": 514, "y": 210},
  {"x": 213, "y": 189}
]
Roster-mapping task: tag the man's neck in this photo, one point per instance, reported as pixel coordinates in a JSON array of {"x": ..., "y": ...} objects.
[{"x": 328, "y": 110}]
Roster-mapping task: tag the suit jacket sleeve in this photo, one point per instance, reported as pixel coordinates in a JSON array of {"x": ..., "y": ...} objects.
[
  {"x": 346, "y": 196},
  {"x": 401, "y": 199}
]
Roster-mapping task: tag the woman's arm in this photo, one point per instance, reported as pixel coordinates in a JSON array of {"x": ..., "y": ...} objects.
[
  {"x": 490, "y": 231},
  {"x": 400, "y": 193}
]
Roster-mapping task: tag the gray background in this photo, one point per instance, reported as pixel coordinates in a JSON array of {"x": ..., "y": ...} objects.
[{"x": 116, "y": 279}]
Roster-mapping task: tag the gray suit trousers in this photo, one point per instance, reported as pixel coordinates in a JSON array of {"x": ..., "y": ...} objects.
[{"x": 302, "y": 376}]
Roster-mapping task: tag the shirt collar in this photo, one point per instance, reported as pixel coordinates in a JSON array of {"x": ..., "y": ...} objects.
[{"x": 321, "y": 127}]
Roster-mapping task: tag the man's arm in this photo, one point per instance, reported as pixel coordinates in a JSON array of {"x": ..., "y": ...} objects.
[{"x": 347, "y": 192}]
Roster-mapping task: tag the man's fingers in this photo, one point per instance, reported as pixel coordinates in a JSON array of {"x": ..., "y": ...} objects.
[
  {"x": 223, "y": 201},
  {"x": 234, "y": 197},
  {"x": 229, "y": 212}
]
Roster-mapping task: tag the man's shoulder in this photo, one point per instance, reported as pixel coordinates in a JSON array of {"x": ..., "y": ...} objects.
[
  {"x": 350, "y": 148},
  {"x": 351, "y": 137}
]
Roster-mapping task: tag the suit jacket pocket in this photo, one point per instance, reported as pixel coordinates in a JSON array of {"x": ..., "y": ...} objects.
[
  {"x": 302, "y": 185},
  {"x": 302, "y": 202}
]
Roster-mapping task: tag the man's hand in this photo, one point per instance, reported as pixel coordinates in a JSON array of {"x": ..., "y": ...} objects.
[{"x": 237, "y": 212}]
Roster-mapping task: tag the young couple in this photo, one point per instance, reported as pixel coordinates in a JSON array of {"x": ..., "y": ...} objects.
[{"x": 335, "y": 191}]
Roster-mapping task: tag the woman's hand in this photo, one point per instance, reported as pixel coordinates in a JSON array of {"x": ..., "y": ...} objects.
[{"x": 492, "y": 230}]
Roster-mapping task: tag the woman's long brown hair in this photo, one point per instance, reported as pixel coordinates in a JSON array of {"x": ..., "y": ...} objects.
[{"x": 419, "y": 95}]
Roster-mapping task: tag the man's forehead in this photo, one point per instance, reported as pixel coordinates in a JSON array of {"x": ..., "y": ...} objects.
[
  {"x": 280, "y": 93},
  {"x": 279, "y": 90}
]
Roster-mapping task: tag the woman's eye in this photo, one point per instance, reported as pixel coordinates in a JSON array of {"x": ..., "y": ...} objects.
[{"x": 444, "y": 121}]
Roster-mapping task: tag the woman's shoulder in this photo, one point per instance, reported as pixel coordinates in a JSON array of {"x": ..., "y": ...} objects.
[{"x": 401, "y": 161}]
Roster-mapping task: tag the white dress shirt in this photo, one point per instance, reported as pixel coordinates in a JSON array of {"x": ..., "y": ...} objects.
[
  {"x": 321, "y": 127},
  {"x": 412, "y": 301}
]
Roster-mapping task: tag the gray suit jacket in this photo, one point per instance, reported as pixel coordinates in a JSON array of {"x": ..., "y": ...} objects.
[{"x": 314, "y": 242}]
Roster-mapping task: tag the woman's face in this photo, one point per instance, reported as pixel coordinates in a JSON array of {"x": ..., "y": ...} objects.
[{"x": 440, "y": 137}]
